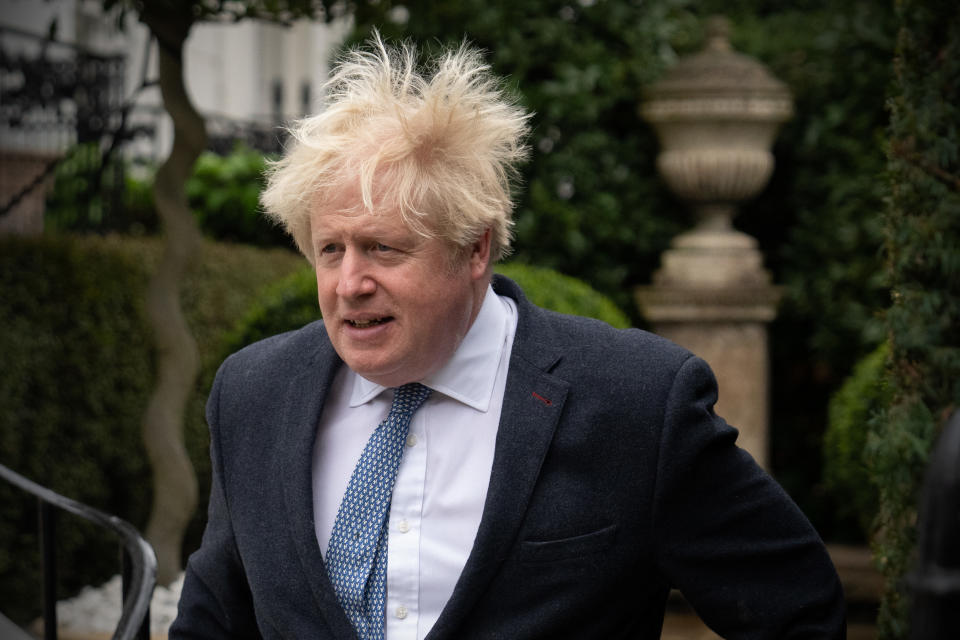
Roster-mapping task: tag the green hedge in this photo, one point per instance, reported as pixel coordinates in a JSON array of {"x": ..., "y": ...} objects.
[
  {"x": 922, "y": 226},
  {"x": 292, "y": 303},
  {"x": 77, "y": 368},
  {"x": 77, "y": 371}
]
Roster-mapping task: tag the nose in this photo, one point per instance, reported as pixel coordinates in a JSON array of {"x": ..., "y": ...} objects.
[{"x": 355, "y": 277}]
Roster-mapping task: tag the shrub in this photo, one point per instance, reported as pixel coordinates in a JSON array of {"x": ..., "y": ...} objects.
[
  {"x": 551, "y": 290},
  {"x": 224, "y": 195},
  {"x": 845, "y": 473}
]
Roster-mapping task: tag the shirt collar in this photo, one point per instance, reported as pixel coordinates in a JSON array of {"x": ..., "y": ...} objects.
[{"x": 470, "y": 374}]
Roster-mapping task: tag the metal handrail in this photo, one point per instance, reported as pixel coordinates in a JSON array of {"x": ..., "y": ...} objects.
[{"x": 139, "y": 560}]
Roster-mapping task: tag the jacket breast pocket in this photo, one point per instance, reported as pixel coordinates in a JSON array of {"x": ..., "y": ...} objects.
[{"x": 567, "y": 548}]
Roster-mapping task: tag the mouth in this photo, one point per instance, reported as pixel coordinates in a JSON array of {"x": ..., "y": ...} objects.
[{"x": 372, "y": 322}]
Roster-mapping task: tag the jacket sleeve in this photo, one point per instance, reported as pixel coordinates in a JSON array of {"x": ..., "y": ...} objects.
[
  {"x": 730, "y": 539},
  {"x": 215, "y": 601}
]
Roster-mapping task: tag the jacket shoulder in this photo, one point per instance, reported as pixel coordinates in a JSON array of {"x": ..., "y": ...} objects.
[
  {"x": 280, "y": 355},
  {"x": 587, "y": 339}
]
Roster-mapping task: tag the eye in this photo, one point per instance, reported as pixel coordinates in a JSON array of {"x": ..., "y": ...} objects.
[
  {"x": 327, "y": 249},
  {"x": 382, "y": 247}
]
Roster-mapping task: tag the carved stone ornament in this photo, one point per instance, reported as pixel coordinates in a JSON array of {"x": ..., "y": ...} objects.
[{"x": 716, "y": 114}]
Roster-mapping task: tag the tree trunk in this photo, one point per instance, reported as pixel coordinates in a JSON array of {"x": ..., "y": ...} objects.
[{"x": 174, "y": 479}]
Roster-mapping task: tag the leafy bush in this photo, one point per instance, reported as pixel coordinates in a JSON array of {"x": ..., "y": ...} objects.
[
  {"x": 224, "y": 195},
  {"x": 292, "y": 303},
  {"x": 845, "y": 472},
  {"x": 77, "y": 371}
]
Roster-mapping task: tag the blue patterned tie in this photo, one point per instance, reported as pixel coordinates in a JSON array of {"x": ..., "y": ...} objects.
[{"x": 357, "y": 556}]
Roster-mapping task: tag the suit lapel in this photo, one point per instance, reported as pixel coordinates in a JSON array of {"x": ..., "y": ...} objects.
[
  {"x": 532, "y": 405},
  {"x": 303, "y": 404}
]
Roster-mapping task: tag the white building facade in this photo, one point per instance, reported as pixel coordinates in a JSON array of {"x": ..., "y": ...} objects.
[{"x": 241, "y": 76}]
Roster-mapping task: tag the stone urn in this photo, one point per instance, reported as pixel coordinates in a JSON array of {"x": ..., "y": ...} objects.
[{"x": 716, "y": 114}]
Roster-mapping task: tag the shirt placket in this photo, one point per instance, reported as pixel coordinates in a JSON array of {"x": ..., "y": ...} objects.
[{"x": 403, "y": 548}]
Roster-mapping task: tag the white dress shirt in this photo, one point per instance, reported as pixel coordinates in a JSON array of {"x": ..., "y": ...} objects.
[{"x": 442, "y": 481}]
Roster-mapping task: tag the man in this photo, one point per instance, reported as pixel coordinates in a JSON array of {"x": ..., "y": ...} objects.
[{"x": 479, "y": 468}]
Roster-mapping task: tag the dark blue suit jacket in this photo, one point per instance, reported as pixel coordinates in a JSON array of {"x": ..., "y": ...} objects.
[{"x": 612, "y": 481}]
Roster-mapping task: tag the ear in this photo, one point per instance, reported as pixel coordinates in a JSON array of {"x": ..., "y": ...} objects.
[{"x": 480, "y": 256}]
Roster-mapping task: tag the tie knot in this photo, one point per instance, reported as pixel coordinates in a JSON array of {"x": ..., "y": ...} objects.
[{"x": 409, "y": 397}]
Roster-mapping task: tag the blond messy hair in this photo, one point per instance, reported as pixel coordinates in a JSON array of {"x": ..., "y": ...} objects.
[{"x": 441, "y": 148}]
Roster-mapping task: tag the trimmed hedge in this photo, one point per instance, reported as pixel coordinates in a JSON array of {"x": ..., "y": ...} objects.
[
  {"x": 292, "y": 303},
  {"x": 77, "y": 370},
  {"x": 76, "y": 375},
  {"x": 922, "y": 226}
]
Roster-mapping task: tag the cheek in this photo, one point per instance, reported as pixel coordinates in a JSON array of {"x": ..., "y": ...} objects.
[
  {"x": 450, "y": 314},
  {"x": 326, "y": 287}
]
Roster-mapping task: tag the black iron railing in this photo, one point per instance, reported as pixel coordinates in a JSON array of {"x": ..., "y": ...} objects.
[
  {"x": 224, "y": 134},
  {"x": 138, "y": 560},
  {"x": 55, "y": 97}
]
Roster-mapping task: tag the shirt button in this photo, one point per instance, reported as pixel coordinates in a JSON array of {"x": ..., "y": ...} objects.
[
  {"x": 401, "y": 612},
  {"x": 404, "y": 526},
  {"x": 412, "y": 440}
]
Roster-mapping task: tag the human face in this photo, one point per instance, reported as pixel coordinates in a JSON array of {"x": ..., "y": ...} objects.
[{"x": 396, "y": 305}]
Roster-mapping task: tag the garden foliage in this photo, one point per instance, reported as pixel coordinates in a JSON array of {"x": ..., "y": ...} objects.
[
  {"x": 922, "y": 229},
  {"x": 845, "y": 473},
  {"x": 77, "y": 371},
  {"x": 224, "y": 194}
]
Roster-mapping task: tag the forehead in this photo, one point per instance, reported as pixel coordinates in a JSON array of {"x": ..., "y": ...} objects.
[
  {"x": 344, "y": 209},
  {"x": 361, "y": 224}
]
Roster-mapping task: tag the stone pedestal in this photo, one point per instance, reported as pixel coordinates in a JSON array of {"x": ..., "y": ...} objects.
[{"x": 713, "y": 296}]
